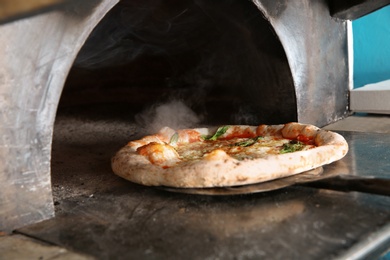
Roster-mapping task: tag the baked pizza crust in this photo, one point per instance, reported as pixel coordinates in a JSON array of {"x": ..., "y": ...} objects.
[{"x": 218, "y": 169}]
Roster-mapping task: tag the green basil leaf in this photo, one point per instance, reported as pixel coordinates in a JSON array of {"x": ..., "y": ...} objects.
[
  {"x": 292, "y": 146},
  {"x": 174, "y": 139},
  {"x": 248, "y": 142},
  {"x": 220, "y": 131}
]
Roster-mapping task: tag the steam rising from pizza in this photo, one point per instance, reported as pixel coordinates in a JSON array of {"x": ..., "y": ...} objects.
[{"x": 173, "y": 113}]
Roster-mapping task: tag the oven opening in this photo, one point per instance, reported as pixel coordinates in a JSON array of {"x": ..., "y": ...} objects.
[{"x": 223, "y": 60}]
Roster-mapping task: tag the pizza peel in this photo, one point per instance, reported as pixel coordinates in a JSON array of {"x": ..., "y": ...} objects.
[
  {"x": 316, "y": 178},
  {"x": 253, "y": 188}
]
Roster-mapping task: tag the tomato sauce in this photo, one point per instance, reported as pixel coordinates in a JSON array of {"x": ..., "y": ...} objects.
[
  {"x": 192, "y": 135},
  {"x": 305, "y": 139},
  {"x": 239, "y": 133}
]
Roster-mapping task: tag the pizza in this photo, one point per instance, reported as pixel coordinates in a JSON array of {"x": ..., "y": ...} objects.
[{"x": 228, "y": 155}]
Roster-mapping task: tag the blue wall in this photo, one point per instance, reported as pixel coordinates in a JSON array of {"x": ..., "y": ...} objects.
[{"x": 371, "y": 37}]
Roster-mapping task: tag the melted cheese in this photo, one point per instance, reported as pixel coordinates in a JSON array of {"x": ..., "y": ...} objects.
[
  {"x": 190, "y": 146},
  {"x": 259, "y": 149}
]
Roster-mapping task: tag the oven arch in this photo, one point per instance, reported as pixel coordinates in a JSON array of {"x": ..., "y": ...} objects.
[{"x": 36, "y": 55}]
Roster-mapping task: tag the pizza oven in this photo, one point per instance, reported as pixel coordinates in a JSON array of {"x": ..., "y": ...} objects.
[{"x": 79, "y": 79}]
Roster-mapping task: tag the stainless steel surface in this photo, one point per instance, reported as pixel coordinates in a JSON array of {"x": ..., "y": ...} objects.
[
  {"x": 374, "y": 244},
  {"x": 317, "y": 51},
  {"x": 36, "y": 55},
  {"x": 100, "y": 214},
  {"x": 366, "y": 123}
]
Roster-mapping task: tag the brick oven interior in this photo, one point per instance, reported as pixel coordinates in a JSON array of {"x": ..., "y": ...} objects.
[{"x": 153, "y": 63}]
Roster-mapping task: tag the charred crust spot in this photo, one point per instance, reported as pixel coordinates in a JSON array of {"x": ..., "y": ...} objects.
[{"x": 241, "y": 178}]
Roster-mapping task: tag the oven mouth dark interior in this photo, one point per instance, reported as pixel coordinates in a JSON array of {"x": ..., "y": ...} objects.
[{"x": 221, "y": 61}]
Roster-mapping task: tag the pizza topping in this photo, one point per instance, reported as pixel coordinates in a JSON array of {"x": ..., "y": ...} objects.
[
  {"x": 174, "y": 139},
  {"x": 237, "y": 148},
  {"x": 220, "y": 131},
  {"x": 159, "y": 154},
  {"x": 305, "y": 139},
  {"x": 241, "y": 132},
  {"x": 302, "y": 133},
  {"x": 217, "y": 154},
  {"x": 292, "y": 146},
  {"x": 144, "y": 141},
  {"x": 181, "y": 151},
  {"x": 248, "y": 142}
]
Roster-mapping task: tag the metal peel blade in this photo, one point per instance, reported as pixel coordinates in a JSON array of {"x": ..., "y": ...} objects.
[
  {"x": 348, "y": 183},
  {"x": 316, "y": 178},
  {"x": 252, "y": 188}
]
